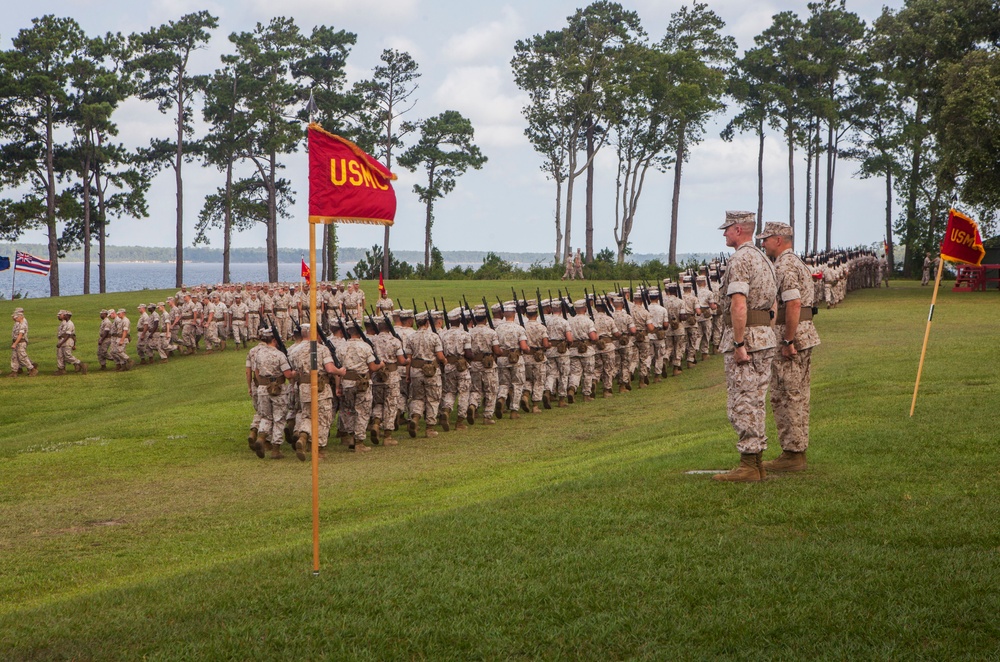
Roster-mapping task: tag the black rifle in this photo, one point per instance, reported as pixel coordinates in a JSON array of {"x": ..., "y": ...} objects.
[
  {"x": 520, "y": 319},
  {"x": 444, "y": 311},
  {"x": 430, "y": 318},
  {"x": 625, "y": 299},
  {"x": 465, "y": 323},
  {"x": 541, "y": 313},
  {"x": 608, "y": 308},
  {"x": 569, "y": 301},
  {"x": 694, "y": 282},
  {"x": 277, "y": 336},
  {"x": 392, "y": 332},
  {"x": 562, "y": 304},
  {"x": 329, "y": 346},
  {"x": 364, "y": 337},
  {"x": 489, "y": 318},
  {"x": 708, "y": 278},
  {"x": 590, "y": 309}
]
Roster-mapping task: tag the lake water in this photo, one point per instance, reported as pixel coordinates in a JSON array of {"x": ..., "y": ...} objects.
[{"x": 131, "y": 276}]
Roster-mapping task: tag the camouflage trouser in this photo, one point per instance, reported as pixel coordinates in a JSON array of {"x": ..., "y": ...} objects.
[
  {"x": 511, "y": 378},
  {"x": 303, "y": 420},
  {"x": 607, "y": 367},
  {"x": 484, "y": 387},
  {"x": 240, "y": 335},
  {"x": 693, "y": 332},
  {"x": 660, "y": 356},
  {"x": 456, "y": 388},
  {"x": 293, "y": 403},
  {"x": 534, "y": 377},
  {"x": 644, "y": 357},
  {"x": 625, "y": 356},
  {"x": 142, "y": 345},
  {"x": 221, "y": 329},
  {"x": 676, "y": 346},
  {"x": 706, "y": 335},
  {"x": 284, "y": 324},
  {"x": 717, "y": 331},
  {"x": 425, "y": 395},
  {"x": 103, "y": 351},
  {"x": 117, "y": 351},
  {"x": 746, "y": 388},
  {"x": 272, "y": 411},
  {"x": 19, "y": 358},
  {"x": 790, "y": 399},
  {"x": 211, "y": 336},
  {"x": 385, "y": 398},
  {"x": 558, "y": 372},
  {"x": 828, "y": 292},
  {"x": 64, "y": 355},
  {"x": 581, "y": 373},
  {"x": 189, "y": 335},
  {"x": 253, "y": 324},
  {"x": 356, "y": 409}
]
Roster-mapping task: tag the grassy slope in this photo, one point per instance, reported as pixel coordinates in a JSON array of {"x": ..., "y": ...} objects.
[{"x": 133, "y": 521}]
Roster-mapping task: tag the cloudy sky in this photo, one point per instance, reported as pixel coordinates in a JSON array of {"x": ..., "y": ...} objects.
[{"x": 464, "y": 51}]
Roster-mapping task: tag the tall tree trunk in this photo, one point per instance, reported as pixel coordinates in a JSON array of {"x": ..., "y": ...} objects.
[
  {"x": 590, "y": 190},
  {"x": 331, "y": 251},
  {"x": 910, "y": 255},
  {"x": 676, "y": 198},
  {"x": 272, "y": 220},
  {"x": 568, "y": 246},
  {"x": 427, "y": 222},
  {"x": 388, "y": 165},
  {"x": 50, "y": 205},
  {"x": 102, "y": 266},
  {"x": 831, "y": 168},
  {"x": 760, "y": 176},
  {"x": 178, "y": 160},
  {"x": 324, "y": 237},
  {"x": 227, "y": 232},
  {"x": 559, "y": 235},
  {"x": 809, "y": 190},
  {"x": 790, "y": 136},
  {"x": 815, "y": 245},
  {"x": 888, "y": 217},
  {"x": 86, "y": 221}
]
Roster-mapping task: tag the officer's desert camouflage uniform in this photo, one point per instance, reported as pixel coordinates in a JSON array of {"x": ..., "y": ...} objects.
[
  {"x": 535, "y": 363},
  {"x": 457, "y": 382},
  {"x": 790, "y": 376},
  {"x": 606, "y": 355},
  {"x": 66, "y": 341},
  {"x": 386, "y": 382},
  {"x": 582, "y": 356},
  {"x": 510, "y": 366},
  {"x": 422, "y": 347},
  {"x": 484, "y": 380},
  {"x": 558, "y": 353},
  {"x": 750, "y": 273}
]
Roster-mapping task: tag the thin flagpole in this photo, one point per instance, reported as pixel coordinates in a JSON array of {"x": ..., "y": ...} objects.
[
  {"x": 314, "y": 392},
  {"x": 313, "y": 376},
  {"x": 927, "y": 333}
]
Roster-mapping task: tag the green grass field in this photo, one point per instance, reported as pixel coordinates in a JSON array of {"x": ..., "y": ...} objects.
[{"x": 135, "y": 524}]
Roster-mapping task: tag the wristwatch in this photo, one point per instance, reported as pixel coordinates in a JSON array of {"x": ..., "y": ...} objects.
[
  {"x": 739, "y": 344},
  {"x": 786, "y": 343}
]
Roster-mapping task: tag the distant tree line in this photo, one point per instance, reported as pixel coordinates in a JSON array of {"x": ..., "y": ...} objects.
[
  {"x": 60, "y": 89},
  {"x": 913, "y": 98}
]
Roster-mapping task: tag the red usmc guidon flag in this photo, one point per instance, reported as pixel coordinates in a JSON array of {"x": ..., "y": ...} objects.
[
  {"x": 346, "y": 185},
  {"x": 962, "y": 242}
]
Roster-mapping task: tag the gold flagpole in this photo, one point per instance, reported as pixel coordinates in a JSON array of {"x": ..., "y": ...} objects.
[
  {"x": 314, "y": 392},
  {"x": 927, "y": 333}
]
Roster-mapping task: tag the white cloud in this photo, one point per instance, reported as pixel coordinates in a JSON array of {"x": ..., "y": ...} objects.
[
  {"x": 487, "y": 96},
  {"x": 486, "y": 41}
]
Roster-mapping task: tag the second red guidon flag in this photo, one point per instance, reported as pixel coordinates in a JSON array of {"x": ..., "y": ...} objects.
[
  {"x": 962, "y": 241},
  {"x": 346, "y": 185}
]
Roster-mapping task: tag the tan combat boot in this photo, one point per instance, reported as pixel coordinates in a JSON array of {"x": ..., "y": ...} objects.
[
  {"x": 562, "y": 403},
  {"x": 787, "y": 461},
  {"x": 33, "y": 372},
  {"x": 252, "y": 439},
  {"x": 525, "y": 402},
  {"x": 300, "y": 446},
  {"x": 677, "y": 371},
  {"x": 570, "y": 395},
  {"x": 359, "y": 445},
  {"x": 498, "y": 409},
  {"x": 259, "y": 445},
  {"x": 470, "y": 415},
  {"x": 411, "y": 426},
  {"x": 460, "y": 424},
  {"x": 535, "y": 409},
  {"x": 376, "y": 431},
  {"x": 60, "y": 371},
  {"x": 546, "y": 400},
  {"x": 83, "y": 368},
  {"x": 446, "y": 420},
  {"x": 749, "y": 470}
]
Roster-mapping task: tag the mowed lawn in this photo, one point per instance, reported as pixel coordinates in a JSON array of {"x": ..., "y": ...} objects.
[{"x": 136, "y": 524}]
